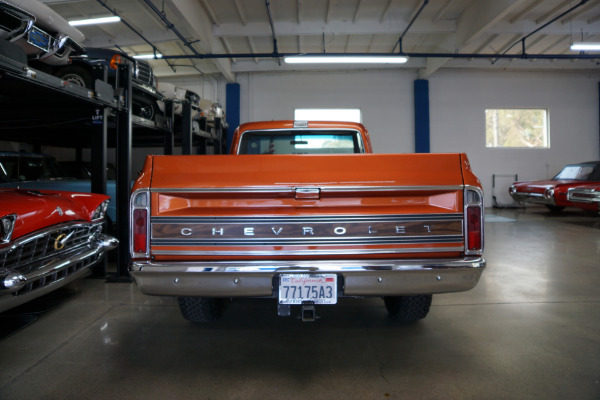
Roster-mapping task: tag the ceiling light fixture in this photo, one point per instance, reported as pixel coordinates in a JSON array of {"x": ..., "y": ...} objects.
[
  {"x": 148, "y": 56},
  {"x": 345, "y": 59},
  {"x": 94, "y": 21},
  {"x": 583, "y": 46}
]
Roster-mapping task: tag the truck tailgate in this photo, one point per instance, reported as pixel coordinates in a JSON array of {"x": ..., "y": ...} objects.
[
  {"x": 285, "y": 171},
  {"x": 357, "y": 206}
]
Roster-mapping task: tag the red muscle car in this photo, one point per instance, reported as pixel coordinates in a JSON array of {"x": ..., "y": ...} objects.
[
  {"x": 48, "y": 239},
  {"x": 553, "y": 193}
]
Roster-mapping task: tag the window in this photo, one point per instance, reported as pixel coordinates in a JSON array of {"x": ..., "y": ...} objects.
[
  {"x": 327, "y": 114},
  {"x": 517, "y": 128},
  {"x": 575, "y": 172},
  {"x": 300, "y": 142}
]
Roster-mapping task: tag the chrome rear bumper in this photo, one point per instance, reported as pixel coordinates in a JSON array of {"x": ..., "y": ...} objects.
[{"x": 259, "y": 279}]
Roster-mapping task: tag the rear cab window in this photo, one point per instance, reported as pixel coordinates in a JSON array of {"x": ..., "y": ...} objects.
[{"x": 296, "y": 141}]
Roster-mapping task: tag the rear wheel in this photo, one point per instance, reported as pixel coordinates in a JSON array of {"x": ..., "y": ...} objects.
[
  {"x": 76, "y": 75},
  {"x": 144, "y": 110},
  {"x": 408, "y": 308},
  {"x": 201, "y": 309},
  {"x": 555, "y": 208}
]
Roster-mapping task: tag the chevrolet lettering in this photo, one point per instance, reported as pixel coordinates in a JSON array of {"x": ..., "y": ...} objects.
[
  {"x": 303, "y": 213},
  {"x": 305, "y": 230}
]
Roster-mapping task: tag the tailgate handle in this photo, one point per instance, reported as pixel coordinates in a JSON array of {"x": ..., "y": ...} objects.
[{"x": 308, "y": 193}]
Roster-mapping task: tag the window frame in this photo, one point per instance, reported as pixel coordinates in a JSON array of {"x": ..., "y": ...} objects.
[{"x": 545, "y": 128}]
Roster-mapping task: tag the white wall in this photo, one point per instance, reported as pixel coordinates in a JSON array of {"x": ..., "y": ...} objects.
[
  {"x": 458, "y": 99},
  {"x": 385, "y": 99}
]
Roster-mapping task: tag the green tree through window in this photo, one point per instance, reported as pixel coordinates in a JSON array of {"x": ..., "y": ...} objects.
[{"x": 525, "y": 128}]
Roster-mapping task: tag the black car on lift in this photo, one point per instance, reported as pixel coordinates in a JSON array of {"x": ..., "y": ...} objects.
[{"x": 85, "y": 69}]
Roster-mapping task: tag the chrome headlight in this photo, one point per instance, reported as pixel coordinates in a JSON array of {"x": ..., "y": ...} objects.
[
  {"x": 7, "y": 224},
  {"x": 549, "y": 193},
  {"x": 512, "y": 189},
  {"x": 100, "y": 211}
]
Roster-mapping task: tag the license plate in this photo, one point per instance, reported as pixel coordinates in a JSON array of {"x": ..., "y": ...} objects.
[
  {"x": 39, "y": 39},
  {"x": 318, "y": 288}
]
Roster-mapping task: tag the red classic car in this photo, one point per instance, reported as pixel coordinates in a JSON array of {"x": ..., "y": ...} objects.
[
  {"x": 48, "y": 239},
  {"x": 553, "y": 193},
  {"x": 586, "y": 197}
]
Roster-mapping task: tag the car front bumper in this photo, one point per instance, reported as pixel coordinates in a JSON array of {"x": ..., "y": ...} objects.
[
  {"x": 17, "y": 289},
  {"x": 538, "y": 198},
  {"x": 260, "y": 279}
]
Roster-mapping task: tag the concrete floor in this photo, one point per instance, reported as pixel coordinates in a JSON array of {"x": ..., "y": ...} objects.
[{"x": 529, "y": 330}]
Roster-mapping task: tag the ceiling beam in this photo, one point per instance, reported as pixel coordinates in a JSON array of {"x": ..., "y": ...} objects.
[
  {"x": 480, "y": 16},
  {"x": 334, "y": 27},
  {"x": 210, "y": 12},
  {"x": 559, "y": 8},
  {"x": 442, "y": 12},
  {"x": 357, "y": 11},
  {"x": 486, "y": 43},
  {"x": 387, "y": 8},
  {"x": 372, "y": 27},
  {"x": 525, "y": 11},
  {"x": 252, "y": 48},
  {"x": 199, "y": 24},
  {"x": 328, "y": 12},
  {"x": 240, "y": 11},
  {"x": 431, "y": 66},
  {"x": 227, "y": 49},
  {"x": 579, "y": 11}
]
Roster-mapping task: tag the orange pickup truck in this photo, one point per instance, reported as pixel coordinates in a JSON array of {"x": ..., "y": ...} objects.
[{"x": 301, "y": 212}]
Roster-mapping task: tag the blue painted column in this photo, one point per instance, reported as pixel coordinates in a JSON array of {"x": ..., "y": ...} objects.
[
  {"x": 421, "y": 93},
  {"x": 232, "y": 109}
]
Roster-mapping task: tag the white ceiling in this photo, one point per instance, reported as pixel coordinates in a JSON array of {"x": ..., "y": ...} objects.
[{"x": 242, "y": 27}]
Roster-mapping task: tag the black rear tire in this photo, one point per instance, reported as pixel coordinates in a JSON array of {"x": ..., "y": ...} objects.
[
  {"x": 76, "y": 75},
  {"x": 554, "y": 209},
  {"x": 144, "y": 109},
  {"x": 201, "y": 309},
  {"x": 408, "y": 308}
]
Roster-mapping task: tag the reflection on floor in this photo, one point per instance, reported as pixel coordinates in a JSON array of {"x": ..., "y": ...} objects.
[{"x": 13, "y": 320}]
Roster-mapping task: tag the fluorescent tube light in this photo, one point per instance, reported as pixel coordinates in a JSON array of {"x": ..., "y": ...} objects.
[
  {"x": 93, "y": 21},
  {"x": 583, "y": 46},
  {"x": 313, "y": 59},
  {"x": 148, "y": 56}
]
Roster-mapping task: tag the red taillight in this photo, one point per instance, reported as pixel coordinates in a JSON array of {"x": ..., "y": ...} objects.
[
  {"x": 140, "y": 235},
  {"x": 474, "y": 228}
]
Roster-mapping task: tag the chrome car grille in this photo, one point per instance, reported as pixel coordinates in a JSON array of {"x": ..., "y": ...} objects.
[
  {"x": 32, "y": 252},
  {"x": 143, "y": 73},
  {"x": 584, "y": 195}
]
